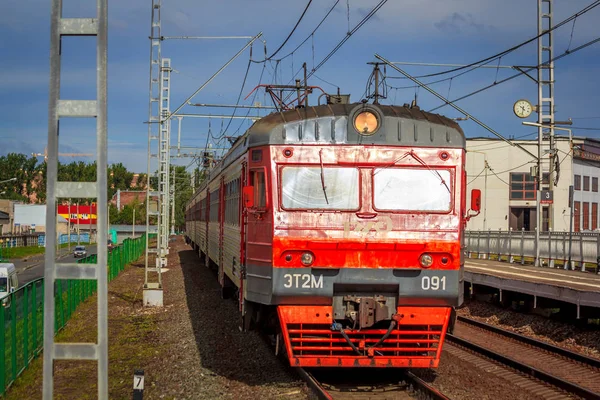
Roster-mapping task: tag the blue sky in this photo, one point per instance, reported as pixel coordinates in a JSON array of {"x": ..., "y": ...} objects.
[{"x": 434, "y": 31}]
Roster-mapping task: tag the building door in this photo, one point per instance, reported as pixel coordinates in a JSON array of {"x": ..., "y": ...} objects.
[{"x": 522, "y": 218}]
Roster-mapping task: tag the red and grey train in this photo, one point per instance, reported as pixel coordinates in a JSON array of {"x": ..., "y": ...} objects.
[{"x": 342, "y": 224}]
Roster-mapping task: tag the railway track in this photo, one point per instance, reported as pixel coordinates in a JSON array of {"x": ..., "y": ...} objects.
[
  {"x": 368, "y": 384},
  {"x": 543, "y": 369}
]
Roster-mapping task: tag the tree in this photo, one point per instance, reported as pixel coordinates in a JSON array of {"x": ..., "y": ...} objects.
[
  {"x": 24, "y": 169},
  {"x": 183, "y": 193},
  {"x": 118, "y": 178}
]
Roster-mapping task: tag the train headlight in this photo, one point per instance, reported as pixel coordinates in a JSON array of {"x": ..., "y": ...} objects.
[
  {"x": 307, "y": 258},
  {"x": 426, "y": 260},
  {"x": 366, "y": 123}
]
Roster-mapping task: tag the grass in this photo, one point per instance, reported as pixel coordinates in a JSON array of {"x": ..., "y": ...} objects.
[
  {"x": 22, "y": 252},
  {"x": 132, "y": 335},
  {"x": 132, "y": 329}
]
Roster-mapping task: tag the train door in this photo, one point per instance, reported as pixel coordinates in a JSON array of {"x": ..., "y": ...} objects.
[
  {"x": 258, "y": 234},
  {"x": 221, "y": 231}
]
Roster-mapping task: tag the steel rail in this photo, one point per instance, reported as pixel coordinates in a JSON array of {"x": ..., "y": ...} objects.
[
  {"x": 422, "y": 386},
  {"x": 417, "y": 384},
  {"x": 524, "y": 368},
  {"x": 592, "y": 362},
  {"x": 314, "y": 385}
]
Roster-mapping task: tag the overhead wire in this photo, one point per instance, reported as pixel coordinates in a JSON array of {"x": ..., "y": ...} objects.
[
  {"x": 507, "y": 51},
  {"x": 493, "y": 144},
  {"x": 252, "y": 101},
  {"x": 344, "y": 40},
  {"x": 585, "y": 129},
  {"x": 292, "y": 32},
  {"x": 478, "y": 175},
  {"x": 327, "y": 82},
  {"x": 311, "y": 34},
  {"x": 349, "y": 34},
  {"x": 494, "y": 173},
  {"x": 237, "y": 103},
  {"x": 517, "y": 75}
]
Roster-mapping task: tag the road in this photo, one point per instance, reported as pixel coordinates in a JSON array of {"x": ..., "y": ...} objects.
[{"x": 33, "y": 268}]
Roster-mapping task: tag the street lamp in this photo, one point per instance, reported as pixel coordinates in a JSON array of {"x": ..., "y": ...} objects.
[
  {"x": 537, "y": 203},
  {"x": 9, "y": 180}
]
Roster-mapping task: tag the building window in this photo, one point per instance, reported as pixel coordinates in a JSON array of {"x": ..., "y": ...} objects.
[
  {"x": 594, "y": 216},
  {"x": 594, "y": 184},
  {"x": 586, "y": 216},
  {"x": 522, "y": 186},
  {"x": 586, "y": 183},
  {"x": 576, "y": 216},
  {"x": 577, "y": 182}
]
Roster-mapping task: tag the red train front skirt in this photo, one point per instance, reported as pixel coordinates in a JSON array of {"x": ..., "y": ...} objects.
[{"x": 313, "y": 340}]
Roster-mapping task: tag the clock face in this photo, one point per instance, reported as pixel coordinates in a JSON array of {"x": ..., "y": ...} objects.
[{"x": 522, "y": 108}]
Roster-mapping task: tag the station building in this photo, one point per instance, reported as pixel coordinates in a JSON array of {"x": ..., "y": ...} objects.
[{"x": 505, "y": 176}]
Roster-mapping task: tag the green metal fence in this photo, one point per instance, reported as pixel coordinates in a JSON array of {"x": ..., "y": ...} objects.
[{"x": 22, "y": 312}]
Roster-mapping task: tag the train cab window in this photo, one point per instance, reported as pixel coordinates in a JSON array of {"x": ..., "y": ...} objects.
[
  {"x": 316, "y": 188},
  {"x": 257, "y": 177},
  {"x": 408, "y": 189}
]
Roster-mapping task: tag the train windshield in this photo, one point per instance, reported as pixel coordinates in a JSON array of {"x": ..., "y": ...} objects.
[
  {"x": 3, "y": 285},
  {"x": 407, "y": 189},
  {"x": 304, "y": 188}
]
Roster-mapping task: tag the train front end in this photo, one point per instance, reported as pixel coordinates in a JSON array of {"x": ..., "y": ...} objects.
[{"x": 368, "y": 214}]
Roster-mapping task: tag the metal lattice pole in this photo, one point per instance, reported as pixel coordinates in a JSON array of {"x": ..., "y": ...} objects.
[
  {"x": 153, "y": 287},
  {"x": 164, "y": 159},
  {"x": 173, "y": 201},
  {"x": 545, "y": 77},
  {"x": 54, "y": 271}
]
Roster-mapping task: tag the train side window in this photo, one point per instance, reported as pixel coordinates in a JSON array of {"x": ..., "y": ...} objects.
[{"x": 257, "y": 177}]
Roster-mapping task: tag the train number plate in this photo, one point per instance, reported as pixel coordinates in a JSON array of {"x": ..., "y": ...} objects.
[
  {"x": 433, "y": 283},
  {"x": 303, "y": 281}
]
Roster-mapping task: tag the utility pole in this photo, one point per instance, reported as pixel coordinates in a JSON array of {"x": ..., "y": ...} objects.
[
  {"x": 77, "y": 224},
  {"x": 545, "y": 110},
  {"x": 60, "y": 107},
  {"x": 69, "y": 225},
  {"x": 173, "y": 201}
]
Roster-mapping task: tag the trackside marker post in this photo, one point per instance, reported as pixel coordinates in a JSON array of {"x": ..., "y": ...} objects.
[{"x": 138, "y": 385}]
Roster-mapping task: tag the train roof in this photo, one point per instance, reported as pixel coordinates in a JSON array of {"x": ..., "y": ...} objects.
[{"x": 333, "y": 123}]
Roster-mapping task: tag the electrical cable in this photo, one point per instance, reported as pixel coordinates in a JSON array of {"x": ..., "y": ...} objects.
[
  {"x": 237, "y": 103},
  {"x": 516, "y": 75},
  {"x": 349, "y": 34},
  {"x": 310, "y": 35},
  {"x": 252, "y": 101},
  {"x": 478, "y": 175},
  {"x": 479, "y": 146},
  {"x": 585, "y": 129},
  {"x": 502, "y": 180},
  {"x": 502, "y": 53},
  {"x": 292, "y": 32},
  {"x": 344, "y": 40},
  {"x": 323, "y": 80}
]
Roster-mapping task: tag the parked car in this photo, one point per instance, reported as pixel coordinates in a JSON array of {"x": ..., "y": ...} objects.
[
  {"x": 8, "y": 282},
  {"x": 80, "y": 251}
]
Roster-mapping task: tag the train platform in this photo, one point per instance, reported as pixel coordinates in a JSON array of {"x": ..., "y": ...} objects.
[{"x": 575, "y": 287}]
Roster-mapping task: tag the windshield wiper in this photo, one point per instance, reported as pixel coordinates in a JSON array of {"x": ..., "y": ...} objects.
[
  {"x": 423, "y": 163},
  {"x": 434, "y": 171},
  {"x": 323, "y": 176}
]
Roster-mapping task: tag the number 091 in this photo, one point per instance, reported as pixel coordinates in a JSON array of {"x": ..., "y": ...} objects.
[{"x": 433, "y": 283}]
